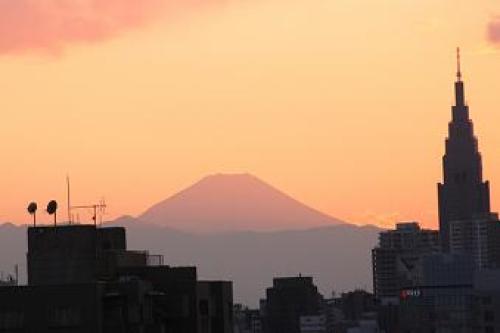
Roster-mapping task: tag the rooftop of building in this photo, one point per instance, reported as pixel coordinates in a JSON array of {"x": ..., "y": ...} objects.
[{"x": 408, "y": 228}]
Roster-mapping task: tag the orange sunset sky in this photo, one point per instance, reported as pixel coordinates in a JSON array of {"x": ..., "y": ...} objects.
[{"x": 342, "y": 104}]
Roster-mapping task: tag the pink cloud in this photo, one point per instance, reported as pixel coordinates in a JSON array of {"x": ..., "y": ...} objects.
[
  {"x": 494, "y": 31},
  {"x": 51, "y": 25}
]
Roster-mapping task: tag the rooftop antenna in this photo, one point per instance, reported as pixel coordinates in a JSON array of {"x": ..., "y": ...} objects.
[
  {"x": 96, "y": 208},
  {"x": 52, "y": 210},
  {"x": 69, "y": 199},
  {"x": 102, "y": 209},
  {"x": 32, "y": 208},
  {"x": 459, "y": 69}
]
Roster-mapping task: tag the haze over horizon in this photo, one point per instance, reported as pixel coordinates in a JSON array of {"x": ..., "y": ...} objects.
[{"x": 334, "y": 103}]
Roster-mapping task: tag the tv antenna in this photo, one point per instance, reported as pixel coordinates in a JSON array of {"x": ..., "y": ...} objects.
[
  {"x": 98, "y": 209},
  {"x": 69, "y": 199}
]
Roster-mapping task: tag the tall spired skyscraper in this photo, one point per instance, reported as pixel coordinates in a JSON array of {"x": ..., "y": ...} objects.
[{"x": 462, "y": 195}]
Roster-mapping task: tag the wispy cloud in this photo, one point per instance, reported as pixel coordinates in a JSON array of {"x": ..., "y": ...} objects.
[
  {"x": 51, "y": 25},
  {"x": 383, "y": 220},
  {"x": 494, "y": 31}
]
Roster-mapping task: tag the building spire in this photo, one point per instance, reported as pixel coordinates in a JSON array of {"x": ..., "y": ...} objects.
[
  {"x": 459, "y": 85},
  {"x": 459, "y": 69},
  {"x": 463, "y": 195}
]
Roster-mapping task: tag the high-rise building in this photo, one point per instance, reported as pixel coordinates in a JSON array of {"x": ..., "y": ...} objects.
[
  {"x": 463, "y": 195},
  {"x": 395, "y": 259},
  {"x": 424, "y": 286}
]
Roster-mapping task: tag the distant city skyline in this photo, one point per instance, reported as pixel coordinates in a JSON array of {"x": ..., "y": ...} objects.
[{"x": 341, "y": 105}]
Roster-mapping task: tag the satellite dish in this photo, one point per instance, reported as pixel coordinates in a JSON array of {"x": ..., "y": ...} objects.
[
  {"x": 32, "y": 207},
  {"x": 52, "y": 207}
]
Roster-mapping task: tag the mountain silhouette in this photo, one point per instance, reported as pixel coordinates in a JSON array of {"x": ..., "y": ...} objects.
[{"x": 234, "y": 202}]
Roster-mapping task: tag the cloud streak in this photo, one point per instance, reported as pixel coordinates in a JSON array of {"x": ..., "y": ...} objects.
[
  {"x": 494, "y": 31},
  {"x": 49, "y": 26}
]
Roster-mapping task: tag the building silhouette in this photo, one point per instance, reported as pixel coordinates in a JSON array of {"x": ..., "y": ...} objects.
[
  {"x": 82, "y": 278},
  {"x": 463, "y": 195},
  {"x": 395, "y": 261},
  {"x": 287, "y": 301},
  {"x": 350, "y": 311},
  {"x": 294, "y": 305},
  {"x": 443, "y": 299}
]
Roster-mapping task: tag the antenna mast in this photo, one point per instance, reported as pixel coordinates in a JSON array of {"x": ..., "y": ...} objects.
[{"x": 69, "y": 199}]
